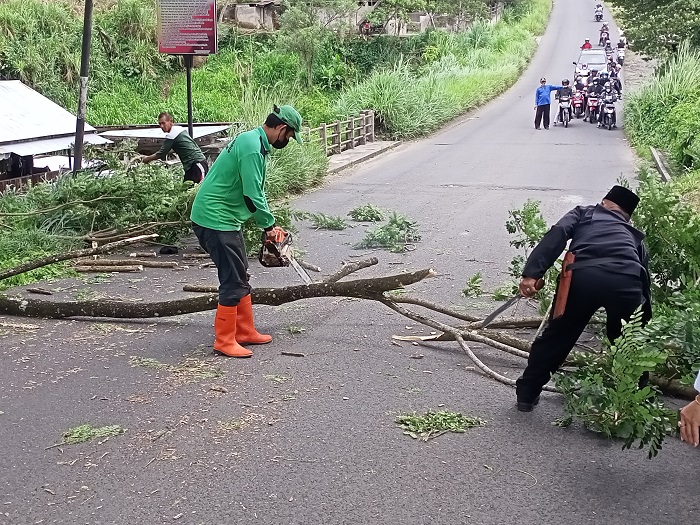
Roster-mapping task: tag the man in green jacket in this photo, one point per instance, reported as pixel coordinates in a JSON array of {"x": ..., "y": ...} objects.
[
  {"x": 232, "y": 192},
  {"x": 178, "y": 139}
]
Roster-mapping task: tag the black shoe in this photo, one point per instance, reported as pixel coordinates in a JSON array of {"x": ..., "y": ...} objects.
[
  {"x": 537, "y": 127},
  {"x": 546, "y": 127},
  {"x": 524, "y": 406}
]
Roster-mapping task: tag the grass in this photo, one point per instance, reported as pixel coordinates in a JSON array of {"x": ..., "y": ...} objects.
[
  {"x": 433, "y": 424},
  {"x": 395, "y": 235},
  {"x": 86, "y": 432}
]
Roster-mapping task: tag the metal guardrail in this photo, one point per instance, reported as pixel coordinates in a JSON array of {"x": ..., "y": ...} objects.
[{"x": 343, "y": 134}]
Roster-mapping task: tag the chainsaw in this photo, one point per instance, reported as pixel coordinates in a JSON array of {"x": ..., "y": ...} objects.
[{"x": 278, "y": 252}]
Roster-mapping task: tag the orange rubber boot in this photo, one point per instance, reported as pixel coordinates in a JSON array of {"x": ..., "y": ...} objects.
[
  {"x": 225, "y": 330},
  {"x": 246, "y": 334}
]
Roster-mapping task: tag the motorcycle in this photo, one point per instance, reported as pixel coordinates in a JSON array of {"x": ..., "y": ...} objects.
[
  {"x": 620, "y": 56},
  {"x": 598, "y": 15},
  {"x": 564, "y": 110},
  {"x": 604, "y": 37},
  {"x": 591, "y": 109},
  {"x": 608, "y": 111},
  {"x": 578, "y": 103}
]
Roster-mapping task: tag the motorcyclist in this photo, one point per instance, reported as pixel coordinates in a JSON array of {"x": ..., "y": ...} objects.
[
  {"x": 621, "y": 43},
  {"x": 608, "y": 95},
  {"x": 587, "y": 44},
  {"x": 616, "y": 82},
  {"x": 593, "y": 76},
  {"x": 565, "y": 91},
  {"x": 608, "y": 46},
  {"x": 604, "y": 34},
  {"x": 579, "y": 84},
  {"x": 594, "y": 89},
  {"x": 598, "y": 9}
]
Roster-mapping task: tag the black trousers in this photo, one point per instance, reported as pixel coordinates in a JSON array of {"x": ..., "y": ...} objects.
[
  {"x": 197, "y": 171},
  {"x": 542, "y": 113},
  {"x": 591, "y": 289},
  {"x": 227, "y": 250}
]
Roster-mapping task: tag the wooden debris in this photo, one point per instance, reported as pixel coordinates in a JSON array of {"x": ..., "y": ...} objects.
[
  {"x": 40, "y": 291},
  {"x": 143, "y": 254},
  {"x": 108, "y": 269},
  {"x": 292, "y": 354}
]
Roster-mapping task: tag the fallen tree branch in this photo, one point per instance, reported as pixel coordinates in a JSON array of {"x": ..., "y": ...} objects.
[
  {"x": 126, "y": 262},
  {"x": 76, "y": 254},
  {"x": 359, "y": 288}
]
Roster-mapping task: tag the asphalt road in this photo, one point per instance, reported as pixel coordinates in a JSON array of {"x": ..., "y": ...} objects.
[{"x": 311, "y": 440}]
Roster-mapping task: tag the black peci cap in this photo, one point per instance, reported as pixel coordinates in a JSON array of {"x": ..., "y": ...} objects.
[{"x": 624, "y": 198}]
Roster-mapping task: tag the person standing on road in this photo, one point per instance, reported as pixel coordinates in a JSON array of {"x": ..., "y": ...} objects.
[
  {"x": 232, "y": 192},
  {"x": 543, "y": 101},
  {"x": 610, "y": 270},
  {"x": 689, "y": 423},
  {"x": 178, "y": 139}
]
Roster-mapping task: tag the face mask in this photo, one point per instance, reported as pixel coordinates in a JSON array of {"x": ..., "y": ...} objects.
[{"x": 281, "y": 142}]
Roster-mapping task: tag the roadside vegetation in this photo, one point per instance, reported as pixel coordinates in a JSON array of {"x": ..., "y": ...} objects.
[
  {"x": 414, "y": 84},
  {"x": 327, "y": 76}
]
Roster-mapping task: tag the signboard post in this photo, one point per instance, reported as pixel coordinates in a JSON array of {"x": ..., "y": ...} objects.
[{"x": 187, "y": 28}]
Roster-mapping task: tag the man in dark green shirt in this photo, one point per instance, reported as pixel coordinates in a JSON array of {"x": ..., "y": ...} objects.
[
  {"x": 232, "y": 192},
  {"x": 178, "y": 139}
]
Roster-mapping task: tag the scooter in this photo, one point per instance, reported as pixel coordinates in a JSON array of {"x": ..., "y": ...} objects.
[
  {"x": 578, "y": 104},
  {"x": 598, "y": 15},
  {"x": 604, "y": 37},
  {"x": 621, "y": 56},
  {"x": 564, "y": 115},
  {"x": 608, "y": 112},
  {"x": 592, "y": 109}
]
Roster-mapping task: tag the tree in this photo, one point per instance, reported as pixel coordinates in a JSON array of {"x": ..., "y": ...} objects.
[
  {"x": 658, "y": 26},
  {"x": 305, "y": 25},
  {"x": 398, "y": 10},
  {"x": 463, "y": 11}
]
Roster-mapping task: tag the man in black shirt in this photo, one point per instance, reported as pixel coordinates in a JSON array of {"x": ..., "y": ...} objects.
[{"x": 610, "y": 271}]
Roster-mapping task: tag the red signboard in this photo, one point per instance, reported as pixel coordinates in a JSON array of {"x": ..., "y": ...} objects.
[{"x": 187, "y": 27}]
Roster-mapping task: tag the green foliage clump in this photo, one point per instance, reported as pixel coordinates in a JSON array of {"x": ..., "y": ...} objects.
[
  {"x": 472, "y": 287},
  {"x": 395, "y": 235},
  {"x": 366, "y": 213},
  {"x": 604, "y": 392},
  {"x": 528, "y": 227},
  {"x": 671, "y": 225},
  {"x": 85, "y": 433},
  {"x": 321, "y": 221},
  {"x": 433, "y": 424}
]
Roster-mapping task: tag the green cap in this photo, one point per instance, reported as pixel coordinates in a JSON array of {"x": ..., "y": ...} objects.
[{"x": 291, "y": 118}]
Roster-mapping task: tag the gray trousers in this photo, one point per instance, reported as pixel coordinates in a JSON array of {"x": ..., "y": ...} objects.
[{"x": 227, "y": 250}]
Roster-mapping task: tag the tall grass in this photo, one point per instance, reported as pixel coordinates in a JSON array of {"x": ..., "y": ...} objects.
[
  {"x": 469, "y": 68},
  {"x": 665, "y": 113}
]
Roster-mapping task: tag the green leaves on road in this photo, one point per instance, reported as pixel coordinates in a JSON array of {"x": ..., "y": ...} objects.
[
  {"x": 433, "y": 424},
  {"x": 86, "y": 432}
]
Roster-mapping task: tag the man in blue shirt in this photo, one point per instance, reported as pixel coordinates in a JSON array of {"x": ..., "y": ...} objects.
[{"x": 542, "y": 102}]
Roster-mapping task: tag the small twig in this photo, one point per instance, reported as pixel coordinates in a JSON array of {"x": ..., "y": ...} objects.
[
  {"x": 308, "y": 266},
  {"x": 527, "y": 474},
  {"x": 85, "y": 501},
  {"x": 108, "y": 269}
]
